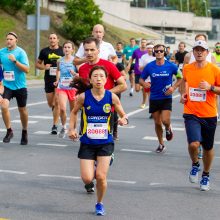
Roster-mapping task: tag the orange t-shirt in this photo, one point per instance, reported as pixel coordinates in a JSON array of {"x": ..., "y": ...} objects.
[{"x": 193, "y": 76}]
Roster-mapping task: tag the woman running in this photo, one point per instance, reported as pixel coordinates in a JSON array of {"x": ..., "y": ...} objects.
[
  {"x": 96, "y": 141},
  {"x": 66, "y": 71}
]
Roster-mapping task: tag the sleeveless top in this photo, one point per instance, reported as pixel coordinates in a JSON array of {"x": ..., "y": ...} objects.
[
  {"x": 96, "y": 119},
  {"x": 65, "y": 76}
]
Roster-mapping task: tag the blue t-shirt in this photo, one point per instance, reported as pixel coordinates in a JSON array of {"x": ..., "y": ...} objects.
[
  {"x": 96, "y": 119},
  {"x": 16, "y": 79},
  {"x": 65, "y": 76},
  {"x": 161, "y": 78}
]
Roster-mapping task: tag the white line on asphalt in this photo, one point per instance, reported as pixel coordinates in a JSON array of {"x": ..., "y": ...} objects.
[
  {"x": 77, "y": 177},
  {"x": 127, "y": 126},
  {"x": 152, "y": 138},
  {"x": 2, "y": 129},
  {"x": 31, "y": 104},
  {"x": 29, "y": 122},
  {"x": 156, "y": 184},
  {"x": 217, "y": 142},
  {"x": 54, "y": 145},
  {"x": 42, "y": 132},
  {"x": 11, "y": 142},
  {"x": 139, "y": 151},
  {"x": 40, "y": 117},
  {"x": 13, "y": 171}
]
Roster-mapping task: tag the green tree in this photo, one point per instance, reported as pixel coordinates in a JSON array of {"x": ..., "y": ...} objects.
[
  {"x": 80, "y": 17},
  {"x": 198, "y": 7}
]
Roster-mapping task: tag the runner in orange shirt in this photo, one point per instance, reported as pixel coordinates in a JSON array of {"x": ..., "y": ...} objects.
[{"x": 201, "y": 83}]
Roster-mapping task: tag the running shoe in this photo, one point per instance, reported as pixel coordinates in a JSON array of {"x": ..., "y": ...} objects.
[
  {"x": 194, "y": 174},
  {"x": 112, "y": 159},
  {"x": 204, "y": 183},
  {"x": 200, "y": 152},
  {"x": 131, "y": 92},
  {"x": 24, "y": 138},
  {"x": 169, "y": 134},
  {"x": 62, "y": 133},
  {"x": 90, "y": 187},
  {"x": 161, "y": 149},
  {"x": 99, "y": 209},
  {"x": 142, "y": 106},
  {"x": 54, "y": 129},
  {"x": 9, "y": 135}
]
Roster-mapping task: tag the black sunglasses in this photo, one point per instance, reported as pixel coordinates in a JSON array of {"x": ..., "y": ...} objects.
[{"x": 157, "y": 51}]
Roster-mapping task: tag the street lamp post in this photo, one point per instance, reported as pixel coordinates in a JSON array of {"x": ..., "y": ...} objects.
[{"x": 206, "y": 11}]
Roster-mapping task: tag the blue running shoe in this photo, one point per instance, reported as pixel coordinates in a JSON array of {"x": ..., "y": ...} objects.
[
  {"x": 194, "y": 174},
  {"x": 99, "y": 209},
  {"x": 204, "y": 183},
  {"x": 200, "y": 152}
]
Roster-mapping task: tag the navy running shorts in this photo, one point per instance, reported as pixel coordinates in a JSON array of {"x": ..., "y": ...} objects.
[
  {"x": 201, "y": 130},
  {"x": 91, "y": 152},
  {"x": 19, "y": 94},
  {"x": 160, "y": 105},
  {"x": 136, "y": 78},
  {"x": 49, "y": 87}
]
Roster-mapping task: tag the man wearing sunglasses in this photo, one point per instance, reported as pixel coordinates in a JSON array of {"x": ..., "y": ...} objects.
[
  {"x": 201, "y": 84},
  {"x": 161, "y": 74}
]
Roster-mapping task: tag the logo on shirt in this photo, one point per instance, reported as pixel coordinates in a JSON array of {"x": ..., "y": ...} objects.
[
  {"x": 163, "y": 73},
  {"x": 88, "y": 107},
  {"x": 53, "y": 56},
  {"x": 107, "y": 108}
]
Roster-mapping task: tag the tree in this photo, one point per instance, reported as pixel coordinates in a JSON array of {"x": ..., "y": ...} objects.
[
  {"x": 80, "y": 17},
  {"x": 198, "y": 7}
]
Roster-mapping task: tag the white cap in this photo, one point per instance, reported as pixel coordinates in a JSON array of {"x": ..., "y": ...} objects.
[{"x": 201, "y": 43}]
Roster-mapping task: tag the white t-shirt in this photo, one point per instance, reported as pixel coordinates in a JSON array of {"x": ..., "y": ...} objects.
[
  {"x": 208, "y": 58},
  {"x": 106, "y": 50},
  {"x": 145, "y": 59}
]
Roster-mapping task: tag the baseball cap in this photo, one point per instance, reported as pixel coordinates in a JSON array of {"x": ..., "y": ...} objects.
[{"x": 201, "y": 43}]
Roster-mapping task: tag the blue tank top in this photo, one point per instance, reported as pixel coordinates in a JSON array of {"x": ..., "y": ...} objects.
[
  {"x": 96, "y": 119},
  {"x": 65, "y": 76}
]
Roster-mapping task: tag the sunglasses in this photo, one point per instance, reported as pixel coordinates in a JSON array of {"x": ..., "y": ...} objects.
[
  {"x": 157, "y": 51},
  {"x": 217, "y": 47}
]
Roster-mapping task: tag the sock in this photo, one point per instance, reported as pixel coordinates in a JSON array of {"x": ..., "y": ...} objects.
[
  {"x": 196, "y": 164},
  {"x": 9, "y": 129},
  {"x": 205, "y": 173},
  {"x": 24, "y": 131}
]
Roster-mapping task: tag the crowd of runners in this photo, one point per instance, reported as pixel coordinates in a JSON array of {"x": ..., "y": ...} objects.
[{"x": 92, "y": 79}]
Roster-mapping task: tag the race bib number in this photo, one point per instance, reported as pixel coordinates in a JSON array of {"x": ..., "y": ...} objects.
[
  {"x": 65, "y": 82},
  {"x": 53, "y": 71},
  {"x": 97, "y": 131},
  {"x": 9, "y": 75},
  {"x": 197, "y": 95}
]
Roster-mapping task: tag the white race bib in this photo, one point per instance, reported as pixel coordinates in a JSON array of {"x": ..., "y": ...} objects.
[
  {"x": 197, "y": 95},
  {"x": 53, "y": 71},
  {"x": 9, "y": 75},
  {"x": 65, "y": 82},
  {"x": 97, "y": 131}
]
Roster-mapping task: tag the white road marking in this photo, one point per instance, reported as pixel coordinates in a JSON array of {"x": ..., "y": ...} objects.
[
  {"x": 31, "y": 104},
  {"x": 78, "y": 178},
  {"x": 13, "y": 172},
  {"x": 217, "y": 142},
  {"x": 11, "y": 142},
  {"x": 41, "y": 132},
  {"x": 156, "y": 184},
  {"x": 2, "y": 129},
  {"x": 139, "y": 151},
  {"x": 54, "y": 145},
  {"x": 127, "y": 126},
  {"x": 40, "y": 117},
  {"x": 152, "y": 138},
  {"x": 29, "y": 122}
]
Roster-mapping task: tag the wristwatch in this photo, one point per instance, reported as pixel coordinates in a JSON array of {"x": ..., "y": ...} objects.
[
  {"x": 212, "y": 88},
  {"x": 15, "y": 61}
]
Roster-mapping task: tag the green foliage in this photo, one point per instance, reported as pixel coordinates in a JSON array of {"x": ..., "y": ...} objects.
[
  {"x": 80, "y": 17},
  {"x": 12, "y": 6},
  {"x": 198, "y": 7}
]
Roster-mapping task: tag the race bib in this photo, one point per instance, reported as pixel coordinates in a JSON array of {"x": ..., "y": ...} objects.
[
  {"x": 9, "y": 75},
  {"x": 97, "y": 131},
  {"x": 65, "y": 82},
  {"x": 197, "y": 95},
  {"x": 53, "y": 71}
]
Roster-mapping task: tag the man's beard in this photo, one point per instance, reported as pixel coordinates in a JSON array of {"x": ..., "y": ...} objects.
[{"x": 217, "y": 52}]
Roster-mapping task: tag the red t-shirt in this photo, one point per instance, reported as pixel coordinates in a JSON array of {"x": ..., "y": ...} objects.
[{"x": 113, "y": 73}]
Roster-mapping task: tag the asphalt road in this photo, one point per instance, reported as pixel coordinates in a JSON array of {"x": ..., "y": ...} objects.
[{"x": 42, "y": 180}]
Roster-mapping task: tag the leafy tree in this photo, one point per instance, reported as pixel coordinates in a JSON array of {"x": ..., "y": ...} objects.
[
  {"x": 80, "y": 17},
  {"x": 198, "y": 7}
]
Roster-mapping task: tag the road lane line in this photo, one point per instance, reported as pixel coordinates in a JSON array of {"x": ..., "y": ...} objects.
[
  {"x": 42, "y": 132},
  {"x": 31, "y": 104},
  {"x": 77, "y": 177},
  {"x": 151, "y": 138},
  {"x": 139, "y": 151},
  {"x": 54, "y": 145},
  {"x": 29, "y": 122},
  {"x": 13, "y": 172}
]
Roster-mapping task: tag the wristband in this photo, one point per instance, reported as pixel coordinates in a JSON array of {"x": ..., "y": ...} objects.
[{"x": 212, "y": 88}]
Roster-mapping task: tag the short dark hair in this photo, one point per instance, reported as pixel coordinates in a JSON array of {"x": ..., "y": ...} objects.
[
  {"x": 89, "y": 40},
  {"x": 182, "y": 43},
  {"x": 98, "y": 68},
  {"x": 203, "y": 35}
]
